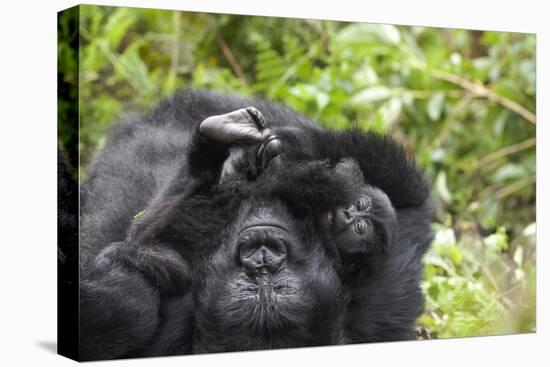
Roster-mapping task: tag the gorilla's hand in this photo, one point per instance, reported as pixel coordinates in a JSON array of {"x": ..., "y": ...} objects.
[
  {"x": 221, "y": 142},
  {"x": 244, "y": 125}
]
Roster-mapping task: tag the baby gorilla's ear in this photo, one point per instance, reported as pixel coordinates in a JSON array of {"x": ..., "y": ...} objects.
[{"x": 349, "y": 168}]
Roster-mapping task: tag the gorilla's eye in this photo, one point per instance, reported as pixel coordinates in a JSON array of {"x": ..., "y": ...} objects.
[
  {"x": 360, "y": 226},
  {"x": 363, "y": 204}
]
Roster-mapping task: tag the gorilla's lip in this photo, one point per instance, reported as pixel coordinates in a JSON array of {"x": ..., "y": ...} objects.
[
  {"x": 263, "y": 226},
  {"x": 265, "y": 284}
]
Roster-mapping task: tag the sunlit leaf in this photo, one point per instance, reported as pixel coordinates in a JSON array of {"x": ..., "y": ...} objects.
[
  {"x": 435, "y": 105},
  {"x": 441, "y": 187},
  {"x": 363, "y": 32},
  {"x": 371, "y": 94}
]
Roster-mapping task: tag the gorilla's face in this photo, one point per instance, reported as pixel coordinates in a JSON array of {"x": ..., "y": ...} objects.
[{"x": 272, "y": 283}]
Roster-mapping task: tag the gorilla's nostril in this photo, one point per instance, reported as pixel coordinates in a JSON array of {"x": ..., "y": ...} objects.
[
  {"x": 261, "y": 250},
  {"x": 262, "y": 258}
]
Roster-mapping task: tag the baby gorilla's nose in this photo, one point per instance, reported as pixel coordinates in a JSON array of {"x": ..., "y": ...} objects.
[
  {"x": 343, "y": 217},
  {"x": 262, "y": 249}
]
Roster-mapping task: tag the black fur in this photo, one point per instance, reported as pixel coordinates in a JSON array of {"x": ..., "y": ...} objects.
[{"x": 168, "y": 280}]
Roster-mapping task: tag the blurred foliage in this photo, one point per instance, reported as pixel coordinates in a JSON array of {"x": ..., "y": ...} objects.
[
  {"x": 462, "y": 102},
  {"x": 67, "y": 83}
]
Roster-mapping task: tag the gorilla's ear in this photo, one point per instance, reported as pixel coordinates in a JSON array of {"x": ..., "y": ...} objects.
[{"x": 243, "y": 125}]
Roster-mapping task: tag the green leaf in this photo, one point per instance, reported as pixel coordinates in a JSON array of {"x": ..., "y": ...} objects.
[
  {"x": 117, "y": 26},
  {"x": 371, "y": 94},
  {"x": 391, "y": 110},
  {"x": 441, "y": 188},
  {"x": 497, "y": 241},
  {"x": 435, "y": 105},
  {"x": 509, "y": 171},
  {"x": 367, "y": 33},
  {"x": 518, "y": 256}
]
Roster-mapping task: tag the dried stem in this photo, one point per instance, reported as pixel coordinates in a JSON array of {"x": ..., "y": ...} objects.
[
  {"x": 480, "y": 90},
  {"x": 446, "y": 126},
  {"x": 231, "y": 59},
  {"x": 516, "y": 186},
  {"x": 510, "y": 149}
]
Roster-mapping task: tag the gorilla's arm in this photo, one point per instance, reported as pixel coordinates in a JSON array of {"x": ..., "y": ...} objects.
[
  {"x": 131, "y": 290},
  {"x": 122, "y": 293}
]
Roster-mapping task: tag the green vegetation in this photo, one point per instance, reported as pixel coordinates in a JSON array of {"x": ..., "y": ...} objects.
[{"x": 462, "y": 102}]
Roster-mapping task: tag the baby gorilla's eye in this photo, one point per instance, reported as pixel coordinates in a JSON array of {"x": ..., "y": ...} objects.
[
  {"x": 360, "y": 226},
  {"x": 363, "y": 204}
]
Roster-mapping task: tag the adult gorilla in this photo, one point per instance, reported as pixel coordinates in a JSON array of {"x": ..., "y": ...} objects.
[{"x": 208, "y": 225}]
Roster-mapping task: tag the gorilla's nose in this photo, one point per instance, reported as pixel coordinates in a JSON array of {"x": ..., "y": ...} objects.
[{"x": 262, "y": 249}]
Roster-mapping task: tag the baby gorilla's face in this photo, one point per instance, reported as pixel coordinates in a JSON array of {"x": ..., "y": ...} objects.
[{"x": 362, "y": 228}]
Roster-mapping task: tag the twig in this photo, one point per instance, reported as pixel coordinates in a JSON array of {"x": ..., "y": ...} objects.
[
  {"x": 516, "y": 186},
  {"x": 508, "y": 291},
  {"x": 491, "y": 279},
  {"x": 320, "y": 32},
  {"x": 479, "y": 89},
  {"x": 446, "y": 125},
  {"x": 510, "y": 149},
  {"x": 231, "y": 59}
]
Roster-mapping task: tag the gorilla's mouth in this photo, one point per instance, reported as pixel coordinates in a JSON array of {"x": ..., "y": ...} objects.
[{"x": 266, "y": 287}]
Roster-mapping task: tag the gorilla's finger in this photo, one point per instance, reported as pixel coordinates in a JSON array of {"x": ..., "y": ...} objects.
[
  {"x": 270, "y": 148},
  {"x": 258, "y": 117},
  {"x": 245, "y": 124}
]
